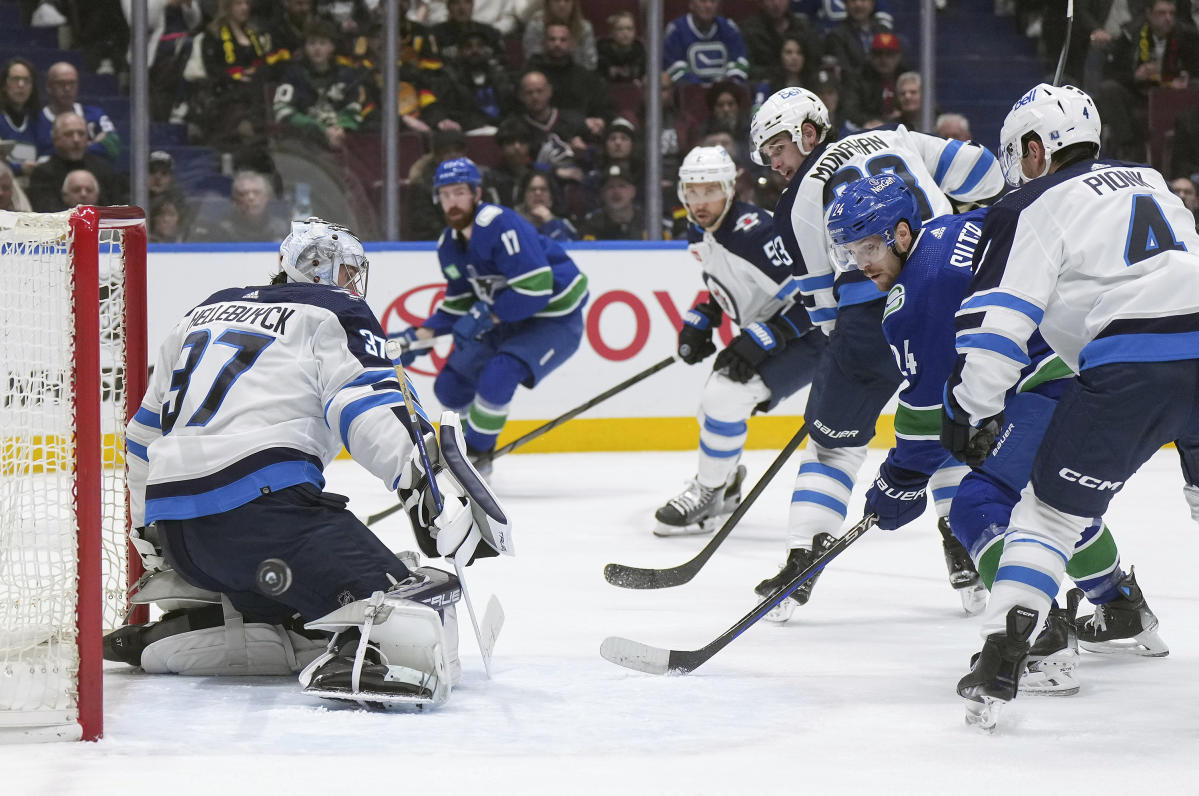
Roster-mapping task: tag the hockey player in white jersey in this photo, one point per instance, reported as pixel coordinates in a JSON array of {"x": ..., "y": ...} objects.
[
  {"x": 750, "y": 278},
  {"x": 858, "y": 374},
  {"x": 1102, "y": 258},
  {"x": 255, "y": 391}
]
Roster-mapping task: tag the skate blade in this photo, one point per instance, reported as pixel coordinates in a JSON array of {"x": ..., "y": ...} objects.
[
  {"x": 984, "y": 716},
  {"x": 694, "y": 529},
  {"x": 372, "y": 700},
  {"x": 781, "y": 612},
  {"x": 1146, "y": 645},
  {"x": 974, "y": 599}
]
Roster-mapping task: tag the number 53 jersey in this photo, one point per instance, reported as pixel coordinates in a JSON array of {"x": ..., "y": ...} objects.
[{"x": 257, "y": 389}]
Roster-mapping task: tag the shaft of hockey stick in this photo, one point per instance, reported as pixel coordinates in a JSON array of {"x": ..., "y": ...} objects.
[
  {"x": 552, "y": 424},
  {"x": 418, "y": 437},
  {"x": 637, "y": 578},
  {"x": 656, "y": 660},
  {"x": 485, "y": 642},
  {"x": 1061, "y": 59}
]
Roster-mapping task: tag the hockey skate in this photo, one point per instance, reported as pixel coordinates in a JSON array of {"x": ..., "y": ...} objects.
[
  {"x": 699, "y": 509},
  {"x": 1123, "y": 626},
  {"x": 1053, "y": 659},
  {"x": 799, "y": 559},
  {"x": 963, "y": 576},
  {"x": 995, "y": 672}
]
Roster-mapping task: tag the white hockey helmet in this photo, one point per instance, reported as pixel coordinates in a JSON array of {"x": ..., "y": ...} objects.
[
  {"x": 708, "y": 164},
  {"x": 785, "y": 111},
  {"x": 1059, "y": 115},
  {"x": 317, "y": 249}
]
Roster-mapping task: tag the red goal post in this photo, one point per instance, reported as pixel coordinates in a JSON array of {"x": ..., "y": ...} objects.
[{"x": 73, "y": 370}]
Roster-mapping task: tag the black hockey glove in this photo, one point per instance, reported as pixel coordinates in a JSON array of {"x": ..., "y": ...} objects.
[
  {"x": 695, "y": 338},
  {"x": 963, "y": 441},
  {"x": 897, "y": 496},
  {"x": 750, "y": 349}
]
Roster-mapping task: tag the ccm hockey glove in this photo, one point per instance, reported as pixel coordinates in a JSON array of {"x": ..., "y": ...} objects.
[
  {"x": 695, "y": 338},
  {"x": 750, "y": 349},
  {"x": 897, "y": 496}
]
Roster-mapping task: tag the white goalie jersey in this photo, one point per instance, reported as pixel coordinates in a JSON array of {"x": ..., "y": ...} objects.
[
  {"x": 933, "y": 168},
  {"x": 257, "y": 389}
]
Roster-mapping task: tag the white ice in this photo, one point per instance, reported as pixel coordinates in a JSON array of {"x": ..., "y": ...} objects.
[{"x": 855, "y": 694}]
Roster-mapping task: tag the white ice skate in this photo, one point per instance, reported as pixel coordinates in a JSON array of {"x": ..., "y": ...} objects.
[{"x": 700, "y": 509}]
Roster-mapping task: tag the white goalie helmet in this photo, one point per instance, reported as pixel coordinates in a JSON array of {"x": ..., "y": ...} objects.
[
  {"x": 316, "y": 250},
  {"x": 785, "y": 111},
  {"x": 1059, "y": 115},
  {"x": 706, "y": 165}
]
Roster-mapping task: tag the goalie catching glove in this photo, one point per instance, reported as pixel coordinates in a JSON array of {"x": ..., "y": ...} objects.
[{"x": 470, "y": 513}]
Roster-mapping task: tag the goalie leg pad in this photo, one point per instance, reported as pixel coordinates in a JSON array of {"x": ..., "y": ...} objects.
[{"x": 265, "y": 650}]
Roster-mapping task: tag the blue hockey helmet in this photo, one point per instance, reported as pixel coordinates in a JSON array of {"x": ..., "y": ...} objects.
[
  {"x": 868, "y": 207},
  {"x": 457, "y": 170}
]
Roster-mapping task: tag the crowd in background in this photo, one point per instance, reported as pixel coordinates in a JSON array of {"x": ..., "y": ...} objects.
[{"x": 276, "y": 104}]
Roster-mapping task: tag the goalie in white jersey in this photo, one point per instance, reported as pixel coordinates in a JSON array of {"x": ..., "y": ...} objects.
[
  {"x": 857, "y": 375},
  {"x": 254, "y": 392},
  {"x": 1104, "y": 260}
]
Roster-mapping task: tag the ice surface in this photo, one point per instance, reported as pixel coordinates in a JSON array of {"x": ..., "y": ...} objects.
[{"x": 855, "y": 694}]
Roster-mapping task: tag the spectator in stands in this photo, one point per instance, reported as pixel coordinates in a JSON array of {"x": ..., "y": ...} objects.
[
  {"x": 11, "y": 195},
  {"x": 828, "y": 88},
  {"x": 80, "y": 187},
  {"x": 830, "y": 13},
  {"x": 252, "y": 216},
  {"x": 621, "y": 54},
  {"x": 538, "y": 200},
  {"x": 489, "y": 88},
  {"x": 1184, "y": 189},
  {"x": 559, "y": 135},
  {"x": 18, "y": 114},
  {"x": 1185, "y": 156},
  {"x": 503, "y": 15},
  {"x": 62, "y": 91},
  {"x": 317, "y": 99},
  {"x": 909, "y": 101},
  {"x": 451, "y": 33},
  {"x": 561, "y": 12},
  {"x": 875, "y": 97},
  {"x": 953, "y": 125},
  {"x": 287, "y": 32},
  {"x": 160, "y": 177},
  {"x": 620, "y": 148},
  {"x": 166, "y": 221},
  {"x": 515, "y": 140},
  {"x": 726, "y": 110},
  {"x": 227, "y": 101},
  {"x": 620, "y": 217},
  {"x": 764, "y": 35},
  {"x": 669, "y": 144},
  {"x": 852, "y": 38},
  {"x": 70, "y": 154},
  {"x": 1152, "y": 52},
  {"x": 703, "y": 47},
  {"x": 791, "y": 67},
  {"x": 576, "y": 88}
]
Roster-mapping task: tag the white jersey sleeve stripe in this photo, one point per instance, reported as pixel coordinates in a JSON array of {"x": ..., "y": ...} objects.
[
  {"x": 995, "y": 343},
  {"x": 1002, "y": 300},
  {"x": 353, "y": 410},
  {"x": 985, "y": 163}
]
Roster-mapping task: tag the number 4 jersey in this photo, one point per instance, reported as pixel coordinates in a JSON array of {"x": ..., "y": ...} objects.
[{"x": 257, "y": 389}]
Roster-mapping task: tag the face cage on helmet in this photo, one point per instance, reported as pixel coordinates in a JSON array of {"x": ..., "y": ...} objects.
[{"x": 360, "y": 276}]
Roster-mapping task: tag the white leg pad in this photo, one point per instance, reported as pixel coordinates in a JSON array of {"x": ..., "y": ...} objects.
[{"x": 264, "y": 650}]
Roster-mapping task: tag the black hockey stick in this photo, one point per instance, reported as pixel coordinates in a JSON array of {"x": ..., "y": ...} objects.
[
  {"x": 637, "y": 578},
  {"x": 655, "y": 660},
  {"x": 552, "y": 424},
  {"x": 1061, "y": 59}
]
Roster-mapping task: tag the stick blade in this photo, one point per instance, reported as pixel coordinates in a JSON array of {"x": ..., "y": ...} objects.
[
  {"x": 635, "y": 655},
  {"x": 493, "y": 623},
  {"x": 628, "y": 577}
]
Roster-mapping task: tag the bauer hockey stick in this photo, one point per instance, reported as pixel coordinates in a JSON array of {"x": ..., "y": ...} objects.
[
  {"x": 637, "y": 578},
  {"x": 1061, "y": 59},
  {"x": 656, "y": 660},
  {"x": 552, "y": 424}
]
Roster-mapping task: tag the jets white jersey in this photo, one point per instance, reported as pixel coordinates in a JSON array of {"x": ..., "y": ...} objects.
[
  {"x": 932, "y": 167},
  {"x": 1101, "y": 256},
  {"x": 257, "y": 389}
]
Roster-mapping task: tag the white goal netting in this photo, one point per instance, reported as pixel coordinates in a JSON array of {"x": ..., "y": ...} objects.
[{"x": 40, "y": 426}]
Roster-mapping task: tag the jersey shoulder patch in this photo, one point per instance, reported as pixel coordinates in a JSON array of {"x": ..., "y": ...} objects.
[{"x": 487, "y": 214}]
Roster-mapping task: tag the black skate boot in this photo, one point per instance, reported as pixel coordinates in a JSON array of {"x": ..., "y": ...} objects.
[
  {"x": 1124, "y": 625},
  {"x": 799, "y": 559},
  {"x": 699, "y": 508},
  {"x": 995, "y": 671},
  {"x": 963, "y": 576},
  {"x": 1053, "y": 659}
]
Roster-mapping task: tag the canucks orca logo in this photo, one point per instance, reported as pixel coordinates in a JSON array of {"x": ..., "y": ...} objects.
[{"x": 894, "y": 301}]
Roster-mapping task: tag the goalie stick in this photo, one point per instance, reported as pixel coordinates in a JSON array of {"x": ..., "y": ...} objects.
[
  {"x": 552, "y": 424},
  {"x": 656, "y": 660},
  {"x": 637, "y": 578}
]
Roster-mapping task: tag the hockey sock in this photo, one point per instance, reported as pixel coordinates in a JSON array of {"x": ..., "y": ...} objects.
[
  {"x": 820, "y": 500},
  {"x": 484, "y": 422},
  {"x": 723, "y": 411},
  {"x": 943, "y": 484},
  {"x": 1095, "y": 565},
  {"x": 488, "y": 412}
]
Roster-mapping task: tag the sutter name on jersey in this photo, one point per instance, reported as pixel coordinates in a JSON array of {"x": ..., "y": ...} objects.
[{"x": 272, "y": 318}]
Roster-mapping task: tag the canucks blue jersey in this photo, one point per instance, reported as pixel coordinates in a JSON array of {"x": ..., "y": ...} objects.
[
  {"x": 507, "y": 264},
  {"x": 98, "y": 124},
  {"x": 693, "y": 57}
]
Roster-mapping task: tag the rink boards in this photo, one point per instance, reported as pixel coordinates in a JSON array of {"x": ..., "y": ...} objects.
[{"x": 639, "y": 292}]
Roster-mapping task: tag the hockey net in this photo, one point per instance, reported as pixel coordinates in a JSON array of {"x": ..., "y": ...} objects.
[{"x": 72, "y": 371}]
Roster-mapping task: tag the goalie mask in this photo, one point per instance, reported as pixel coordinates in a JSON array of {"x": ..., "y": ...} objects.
[
  {"x": 317, "y": 251},
  {"x": 707, "y": 175},
  {"x": 1058, "y": 115}
]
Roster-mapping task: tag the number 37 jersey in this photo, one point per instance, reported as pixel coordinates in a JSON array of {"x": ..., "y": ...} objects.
[{"x": 257, "y": 389}]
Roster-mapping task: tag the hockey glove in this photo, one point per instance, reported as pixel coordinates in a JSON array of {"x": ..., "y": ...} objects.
[
  {"x": 897, "y": 496},
  {"x": 477, "y": 322},
  {"x": 750, "y": 349},
  {"x": 404, "y": 341},
  {"x": 695, "y": 338},
  {"x": 963, "y": 441}
]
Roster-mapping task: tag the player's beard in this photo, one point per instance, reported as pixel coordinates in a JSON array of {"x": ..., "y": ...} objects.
[{"x": 459, "y": 219}]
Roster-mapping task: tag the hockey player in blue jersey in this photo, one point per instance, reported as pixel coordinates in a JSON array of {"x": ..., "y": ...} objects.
[
  {"x": 857, "y": 376},
  {"x": 703, "y": 47},
  {"x": 749, "y": 276},
  {"x": 925, "y": 271},
  {"x": 1101, "y": 257},
  {"x": 514, "y": 302},
  {"x": 254, "y": 392}
]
